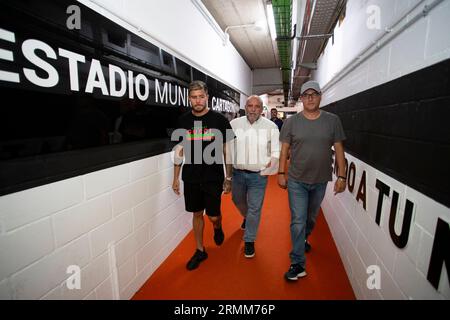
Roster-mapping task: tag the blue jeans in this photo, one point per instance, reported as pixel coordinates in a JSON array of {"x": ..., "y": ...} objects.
[
  {"x": 248, "y": 190},
  {"x": 304, "y": 202}
]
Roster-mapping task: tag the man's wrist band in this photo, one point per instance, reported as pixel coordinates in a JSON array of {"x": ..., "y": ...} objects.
[
  {"x": 342, "y": 177},
  {"x": 281, "y": 173}
]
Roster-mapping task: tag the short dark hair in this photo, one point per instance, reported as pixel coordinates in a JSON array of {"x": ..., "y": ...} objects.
[
  {"x": 273, "y": 109},
  {"x": 198, "y": 85}
]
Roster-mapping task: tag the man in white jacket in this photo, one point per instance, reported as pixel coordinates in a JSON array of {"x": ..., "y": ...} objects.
[{"x": 256, "y": 153}]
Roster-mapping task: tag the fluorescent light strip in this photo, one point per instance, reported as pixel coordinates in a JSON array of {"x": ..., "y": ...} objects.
[{"x": 273, "y": 31}]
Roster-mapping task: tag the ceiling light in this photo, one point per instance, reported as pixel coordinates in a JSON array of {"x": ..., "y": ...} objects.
[
  {"x": 271, "y": 20},
  {"x": 258, "y": 26}
]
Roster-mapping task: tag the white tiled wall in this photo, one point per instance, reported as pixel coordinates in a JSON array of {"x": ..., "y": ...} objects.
[
  {"x": 361, "y": 242},
  {"x": 131, "y": 207},
  {"x": 72, "y": 222},
  {"x": 424, "y": 43}
]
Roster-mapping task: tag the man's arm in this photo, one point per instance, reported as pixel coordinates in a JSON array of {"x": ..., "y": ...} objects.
[
  {"x": 228, "y": 166},
  {"x": 178, "y": 161},
  {"x": 274, "y": 142},
  {"x": 340, "y": 183},
  {"x": 282, "y": 171}
]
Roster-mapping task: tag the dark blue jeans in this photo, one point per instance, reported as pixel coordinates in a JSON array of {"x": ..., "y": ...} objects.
[{"x": 304, "y": 202}]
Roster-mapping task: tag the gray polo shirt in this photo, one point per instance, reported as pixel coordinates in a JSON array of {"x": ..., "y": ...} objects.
[{"x": 311, "y": 141}]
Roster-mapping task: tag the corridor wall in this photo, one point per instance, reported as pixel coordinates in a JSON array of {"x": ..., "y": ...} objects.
[
  {"x": 387, "y": 76},
  {"x": 101, "y": 210}
]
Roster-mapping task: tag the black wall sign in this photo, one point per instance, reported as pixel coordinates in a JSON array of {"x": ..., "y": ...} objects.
[
  {"x": 76, "y": 100},
  {"x": 401, "y": 128}
]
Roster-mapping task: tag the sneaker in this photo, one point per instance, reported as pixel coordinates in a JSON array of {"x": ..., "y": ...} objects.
[
  {"x": 198, "y": 257},
  {"x": 249, "y": 250},
  {"x": 218, "y": 236},
  {"x": 243, "y": 225},
  {"x": 307, "y": 246},
  {"x": 295, "y": 271}
]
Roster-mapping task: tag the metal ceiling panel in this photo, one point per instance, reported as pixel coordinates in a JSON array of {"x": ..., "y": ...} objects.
[
  {"x": 323, "y": 17},
  {"x": 282, "y": 10},
  {"x": 256, "y": 47}
]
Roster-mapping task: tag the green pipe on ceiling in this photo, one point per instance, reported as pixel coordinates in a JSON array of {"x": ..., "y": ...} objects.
[{"x": 282, "y": 11}]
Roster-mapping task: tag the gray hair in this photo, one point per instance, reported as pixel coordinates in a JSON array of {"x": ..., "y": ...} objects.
[{"x": 257, "y": 97}]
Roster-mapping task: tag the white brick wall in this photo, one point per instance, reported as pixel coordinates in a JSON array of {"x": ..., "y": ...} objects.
[
  {"x": 105, "y": 290},
  {"x": 359, "y": 239},
  {"x": 91, "y": 296},
  {"x": 132, "y": 243},
  {"x": 411, "y": 281},
  {"x": 44, "y": 275},
  {"x": 91, "y": 277},
  {"x": 361, "y": 242},
  {"x": 112, "y": 231},
  {"x": 14, "y": 212},
  {"x": 76, "y": 221},
  {"x": 23, "y": 246},
  {"x": 100, "y": 182},
  {"x": 72, "y": 222},
  {"x": 55, "y": 294},
  {"x": 5, "y": 290},
  {"x": 424, "y": 43},
  {"x": 129, "y": 196},
  {"x": 127, "y": 272}
]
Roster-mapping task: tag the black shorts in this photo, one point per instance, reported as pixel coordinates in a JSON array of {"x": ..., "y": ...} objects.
[{"x": 203, "y": 196}]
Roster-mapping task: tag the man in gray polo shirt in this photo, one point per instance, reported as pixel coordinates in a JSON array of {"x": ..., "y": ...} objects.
[{"x": 309, "y": 136}]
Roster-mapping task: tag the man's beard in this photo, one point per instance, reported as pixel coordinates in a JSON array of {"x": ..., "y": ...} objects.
[
  {"x": 253, "y": 117},
  {"x": 197, "y": 110}
]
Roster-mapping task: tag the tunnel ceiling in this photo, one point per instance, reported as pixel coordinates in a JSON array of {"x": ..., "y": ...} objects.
[{"x": 257, "y": 47}]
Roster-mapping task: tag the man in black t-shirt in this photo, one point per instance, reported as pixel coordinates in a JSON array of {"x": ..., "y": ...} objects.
[{"x": 202, "y": 134}]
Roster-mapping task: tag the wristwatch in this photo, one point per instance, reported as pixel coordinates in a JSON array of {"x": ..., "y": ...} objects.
[{"x": 229, "y": 178}]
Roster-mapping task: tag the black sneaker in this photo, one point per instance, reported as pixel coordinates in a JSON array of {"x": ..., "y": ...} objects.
[
  {"x": 249, "y": 250},
  {"x": 243, "y": 225},
  {"x": 295, "y": 271},
  {"x": 307, "y": 246},
  {"x": 218, "y": 236},
  {"x": 198, "y": 257}
]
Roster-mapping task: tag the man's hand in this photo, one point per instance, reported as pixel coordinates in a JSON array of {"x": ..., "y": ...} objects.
[
  {"x": 176, "y": 186},
  {"x": 339, "y": 186},
  {"x": 282, "y": 181},
  {"x": 226, "y": 186}
]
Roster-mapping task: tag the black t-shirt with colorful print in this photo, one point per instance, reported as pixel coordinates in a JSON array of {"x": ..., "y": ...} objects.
[{"x": 202, "y": 140}]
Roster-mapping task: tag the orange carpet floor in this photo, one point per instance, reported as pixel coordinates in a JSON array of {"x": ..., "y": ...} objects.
[{"x": 228, "y": 275}]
